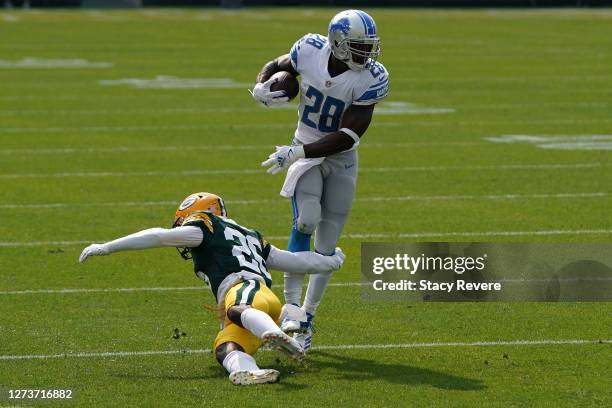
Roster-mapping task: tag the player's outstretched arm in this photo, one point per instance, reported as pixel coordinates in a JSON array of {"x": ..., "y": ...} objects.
[
  {"x": 187, "y": 236},
  {"x": 304, "y": 262}
]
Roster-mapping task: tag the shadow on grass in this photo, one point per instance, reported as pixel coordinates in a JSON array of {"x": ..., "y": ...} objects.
[
  {"x": 339, "y": 366},
  {"x": 171, "y": 377},
  {"x": 359, "y": 369},
  {"x": 214, "y": 372}
]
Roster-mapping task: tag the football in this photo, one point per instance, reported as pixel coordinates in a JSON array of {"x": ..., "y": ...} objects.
[{"x": 286, "y": 82}]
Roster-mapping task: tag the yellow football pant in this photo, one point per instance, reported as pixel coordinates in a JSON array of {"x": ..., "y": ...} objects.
[{"x": 257, "y": 295}]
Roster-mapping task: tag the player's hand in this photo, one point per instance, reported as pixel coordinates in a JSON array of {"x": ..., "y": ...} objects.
[
  {"x": 283, "y": 157},
  {"x": 261, "y": 92},
  {"x": 93, "y": 250},
  {"x": 338, "y": 258}
]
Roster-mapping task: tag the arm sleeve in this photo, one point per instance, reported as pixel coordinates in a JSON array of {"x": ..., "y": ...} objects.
[
  {"x": 158, "y": 237},
  {"x": 301, "y": 262}
]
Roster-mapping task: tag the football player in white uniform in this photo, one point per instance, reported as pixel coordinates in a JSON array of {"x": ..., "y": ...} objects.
[{"x": 341, "y": 81}]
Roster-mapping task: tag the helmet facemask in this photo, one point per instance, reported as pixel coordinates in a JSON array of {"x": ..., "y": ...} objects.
[{"x": 362, "y": 53}]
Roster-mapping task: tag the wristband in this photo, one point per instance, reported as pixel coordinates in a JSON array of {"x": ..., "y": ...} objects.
[{"x": 352, "y": 134}]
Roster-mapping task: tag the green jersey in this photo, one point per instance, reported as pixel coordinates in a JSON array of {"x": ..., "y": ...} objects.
[{"x": 227, "y": 248}]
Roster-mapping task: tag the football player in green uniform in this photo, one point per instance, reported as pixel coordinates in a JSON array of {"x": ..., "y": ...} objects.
[{"x": 234, "y": 261}]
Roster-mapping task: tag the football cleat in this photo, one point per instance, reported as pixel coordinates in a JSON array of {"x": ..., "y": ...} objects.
[
  {"x": 279, "y": 341},
  {"x": 292, "y": 318},
  {"x": 304, "y": 335},
  {"x": 245, "y": 377}
]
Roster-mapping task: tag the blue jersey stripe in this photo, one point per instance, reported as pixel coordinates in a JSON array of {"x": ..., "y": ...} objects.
[
  {"x": 294, "y": 55},
  {"x": 380, "y": 87},
  {"x": 385, "y": 82},
  {"x": 372, "y": 95}
]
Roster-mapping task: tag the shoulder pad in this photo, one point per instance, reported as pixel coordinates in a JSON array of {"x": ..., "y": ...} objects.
[
  {"x": 200, "y": 217},
  {"x": 307, "y": 43}
]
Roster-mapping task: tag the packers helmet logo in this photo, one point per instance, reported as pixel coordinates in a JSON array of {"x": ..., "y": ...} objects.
[{"x": 188, "y": 202}]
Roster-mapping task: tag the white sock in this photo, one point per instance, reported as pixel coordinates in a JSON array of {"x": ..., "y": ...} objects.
[
  {"x": 316, "y": 287},
  {"x": 293, "y": 288},
  {"x": 239, "y": 361},
  {"x": 257, "y": 322}
]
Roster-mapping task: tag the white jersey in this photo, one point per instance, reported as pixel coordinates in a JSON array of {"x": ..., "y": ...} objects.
[{"x": 324, "y": 99}]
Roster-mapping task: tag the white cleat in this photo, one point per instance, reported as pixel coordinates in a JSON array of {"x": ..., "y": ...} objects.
[
  {"x": 292, "y": 318},
  {"x": 263, "y": 376},
  {"x": 279, "y": 341},
  {"x": 290, "y": 326}
]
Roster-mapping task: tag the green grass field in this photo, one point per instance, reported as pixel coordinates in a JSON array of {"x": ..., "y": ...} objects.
[{"x": 83, "y": 161}]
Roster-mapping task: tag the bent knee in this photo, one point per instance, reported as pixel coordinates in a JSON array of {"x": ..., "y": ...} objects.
[
  {"x": 224, "y": 349},
  {"x": 309, "y": 216},
  {"x": 306, "y": 228},
  {"x": 234, "y": 314}
]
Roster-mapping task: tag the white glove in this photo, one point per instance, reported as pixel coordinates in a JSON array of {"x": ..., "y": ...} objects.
[
  {"x": 261, "y": 92},
  {"x": 338, "y": 258},
  {"x": 93, "y": 250},
  {"x": 283, "y": 157}
]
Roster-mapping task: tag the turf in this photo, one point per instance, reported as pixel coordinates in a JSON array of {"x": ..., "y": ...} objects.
[{"x": 84, "y": 162}]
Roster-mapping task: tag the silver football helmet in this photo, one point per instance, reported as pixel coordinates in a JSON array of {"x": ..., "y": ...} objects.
[{"x": 353, "y": 39}]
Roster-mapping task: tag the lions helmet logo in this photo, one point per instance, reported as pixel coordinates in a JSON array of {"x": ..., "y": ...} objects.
[{"x": 342, "y": 24}]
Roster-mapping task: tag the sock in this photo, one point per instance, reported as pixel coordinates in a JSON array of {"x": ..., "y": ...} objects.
[
  {"x": 293, "y": 283},
  {"x": 239, "y": 361},
  {"x": 298, "y": 241},
  {"x": 257, "y": 322},
  {"x": 316, "y": 287}
]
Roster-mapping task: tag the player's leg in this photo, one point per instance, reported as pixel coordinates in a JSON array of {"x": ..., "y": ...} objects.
[
  {"x": 252, "y": 311},
  {"x": 337, "y": 200},
  {"x": 306, "y": 204},
  {"x": 241, "y": 366},
  {"x": 256, "y": 308}
]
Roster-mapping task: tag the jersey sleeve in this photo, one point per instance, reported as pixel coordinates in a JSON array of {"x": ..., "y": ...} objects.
[
  {"x": 303, "y": 49},
  {"x": 295, "y": 52},
  {"x": 204, "y": 222},
  {"x": 376, "y": 86}
]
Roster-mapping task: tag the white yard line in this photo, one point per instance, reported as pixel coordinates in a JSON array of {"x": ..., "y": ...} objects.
[
  {"x": 157, "y": 128},
  {"x": 9, "y": 18},
  {"x": 289, "y": 125},
  {"x": 559, "y": 142},
  {"x": 15, "y": 244},
  {"x": 107, "y": 112},
  {"x": 477, "y": 234},
  {"x": 67, "y": 291},
  {"x": 574, "y": 342},
  {"x": 550, "y": 166},
  {"x": 177, "y": 148},
  {"x": 164, "y": 203}
]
